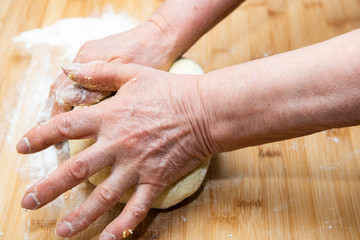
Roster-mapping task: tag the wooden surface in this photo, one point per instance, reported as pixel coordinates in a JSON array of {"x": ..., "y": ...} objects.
[{"x": 305, "y": 188}]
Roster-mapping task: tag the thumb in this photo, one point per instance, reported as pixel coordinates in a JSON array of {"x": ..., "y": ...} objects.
[{"x": 99, "y": 75}]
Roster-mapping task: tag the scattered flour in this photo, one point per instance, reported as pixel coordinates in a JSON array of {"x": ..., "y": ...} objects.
[
  {"x": 351, "y": 156},
  {"x": 335, "y": 139},
  {"x": 71, "y": 33},
  {"x": 47, "y": 48}
]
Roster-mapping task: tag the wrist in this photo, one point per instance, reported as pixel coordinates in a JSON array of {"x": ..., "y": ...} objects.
[
  {"x": 168, "y": 37},
  {"x": 231, "y": 108},
  {"x": 187, "y": 102},
  {"x": 184, "y": 22},
  {"x": 284, "y": 96}
]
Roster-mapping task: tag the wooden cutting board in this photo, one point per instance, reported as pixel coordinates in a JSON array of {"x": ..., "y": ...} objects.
[{"x": 305, "y": 188}]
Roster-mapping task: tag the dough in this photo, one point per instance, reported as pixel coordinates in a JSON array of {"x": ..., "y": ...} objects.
[{"x": 175, "y": 192}]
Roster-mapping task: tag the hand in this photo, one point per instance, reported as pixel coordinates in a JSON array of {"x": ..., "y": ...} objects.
[
  {"x": 151, "y": 133},
  {"x": 132, "y": 46}
]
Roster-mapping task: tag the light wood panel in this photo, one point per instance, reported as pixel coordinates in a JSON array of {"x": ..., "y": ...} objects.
[{"x": 304, "y": 188}]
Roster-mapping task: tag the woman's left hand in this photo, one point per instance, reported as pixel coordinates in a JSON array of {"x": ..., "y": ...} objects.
[{"x": 150, "y": 132}]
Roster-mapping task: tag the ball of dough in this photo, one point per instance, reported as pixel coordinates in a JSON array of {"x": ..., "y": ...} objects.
[{"x": 179, "y": 190}]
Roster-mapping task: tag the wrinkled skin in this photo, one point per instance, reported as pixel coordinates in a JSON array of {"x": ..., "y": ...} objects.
[
  {"x": 132, "y": 46},
  {"x": 148, "y": 132}
]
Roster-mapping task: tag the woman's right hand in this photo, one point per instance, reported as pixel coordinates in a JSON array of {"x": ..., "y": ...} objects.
[
  {"x": 157, "y": 43},
  {"x": 147, "y": 44}
]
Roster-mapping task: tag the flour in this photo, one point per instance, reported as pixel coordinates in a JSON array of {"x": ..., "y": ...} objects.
[
  {"x": 350, "y": 157},
  {"x": 47, "y": 48},
  {"x": 71, "y": 33}
]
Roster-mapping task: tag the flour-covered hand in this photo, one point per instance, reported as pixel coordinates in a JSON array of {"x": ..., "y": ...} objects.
[
  {"x": 151, "y": 132},
  {"x": 132, "y": 46}
]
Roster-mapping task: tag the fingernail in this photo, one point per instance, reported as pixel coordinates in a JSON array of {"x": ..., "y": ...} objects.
[
  {"x": 64, "y": 229},
  {"x": 23, "y": 145},
  {"x": 71, "y": 69},
  {"x": 71, "y": 66},
  {"x": 107, "y": 236},
  {"x": 71, "y": 75},
  {"x": 30, "y": 201}
]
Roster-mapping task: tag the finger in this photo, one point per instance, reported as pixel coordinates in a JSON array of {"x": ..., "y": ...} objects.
[
  {"x": 133, "y": 213},
  {"x": 103, "y": 198},
  {"x": 69, "y": 174},
  {"x": 76, "y": 95},
  {"x": 56, "y": 109},
  {"x": 65, "y": 94},
  {"x": 54, "y": 102},
  {"x": 99, "y": 75},
  {"x": 80, "y": 123}
]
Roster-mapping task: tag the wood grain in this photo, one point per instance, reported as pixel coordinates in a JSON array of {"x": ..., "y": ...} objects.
[{"x": 304, "y": 188}]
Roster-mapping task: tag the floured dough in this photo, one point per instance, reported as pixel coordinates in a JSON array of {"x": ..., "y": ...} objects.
[{"x": 175, "y": 192}]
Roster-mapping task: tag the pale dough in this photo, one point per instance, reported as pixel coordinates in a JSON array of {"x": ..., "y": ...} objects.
[{"x": 177, "y": 191}]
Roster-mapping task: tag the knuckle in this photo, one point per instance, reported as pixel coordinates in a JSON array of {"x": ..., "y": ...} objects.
[
  {"x": 64, "y": 126},
  {"x": 107, "y": 195},
  {"x": 139, "y": 210},
  {"x": 78, "y": 170},
  {"x": 99, "y": 67}
]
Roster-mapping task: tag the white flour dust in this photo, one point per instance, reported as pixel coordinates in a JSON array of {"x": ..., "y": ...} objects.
[
  {"x": 71, "y": 33},
  {"x": 350, "y": 157}
]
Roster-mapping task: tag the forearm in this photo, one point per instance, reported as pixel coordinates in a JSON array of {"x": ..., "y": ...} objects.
[
  {"x": 184, "y": 21},
  {"x": 284, "y": 96}
]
